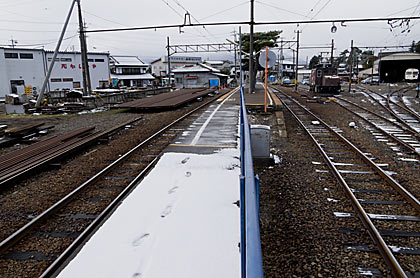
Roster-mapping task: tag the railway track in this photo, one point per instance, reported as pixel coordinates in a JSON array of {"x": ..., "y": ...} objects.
[
  {"x": 41, "y": 246},
  {"x": 385, "y": 130},
  {"x": 404, "y": 116},
  {"x": 389, "y": 213}
]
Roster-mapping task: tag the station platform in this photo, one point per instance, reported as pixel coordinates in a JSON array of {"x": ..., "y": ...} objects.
[
  {"x": 256, "y": 100},
  {"x": 183, "y": 218}
]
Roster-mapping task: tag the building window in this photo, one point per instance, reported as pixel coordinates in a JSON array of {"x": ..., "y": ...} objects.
[
  {"x": 90, "y": 60},
  {"x": 318, "y": 73},
  {"x": 76, "y": 85},
  {"x": 131, "y": 70},
  {"x": 67, "y": 79},
  {"x": 56, "y": 59},
  {"x": 99, "y": 60},
  {"x": 65, "y": 60},
  {"x": 55, "y": 79},
  {"x": 103, "y": 84},
  {"x": 178, "y": 80},
  {"x": 26, "y": 55},
  {"x": 10, "y": 55}
]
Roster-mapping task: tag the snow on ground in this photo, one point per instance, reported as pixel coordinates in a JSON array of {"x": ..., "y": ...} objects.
[{"x": 181, "y": 221}]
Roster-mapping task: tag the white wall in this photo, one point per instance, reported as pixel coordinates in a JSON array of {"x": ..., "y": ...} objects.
[
  {"x": 69, "y": 66},
  {"x": 31, "y": 71}
]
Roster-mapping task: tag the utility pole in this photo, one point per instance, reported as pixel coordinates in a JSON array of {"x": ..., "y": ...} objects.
[
  {"x": 236, "y": 49},
  {"x": 373, "y": 61},
  {"x": 57, "y": 48},
  {"x": 297, "y": 60},
  {"x": 169, "y": 66},
  {"x": 240, "y": 56},
  {"x": 251, "y": 50},
  {"x": 83, "y": 47},
  {"x": 332, "y": 51},
  {"x": 351, "y": 65},
  {"x": 281, "y": 61}
]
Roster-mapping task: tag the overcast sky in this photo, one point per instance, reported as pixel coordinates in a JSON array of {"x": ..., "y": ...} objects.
[{"x": 38, "y": 23}]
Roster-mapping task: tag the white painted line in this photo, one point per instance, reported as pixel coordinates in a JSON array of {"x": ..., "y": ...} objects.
[{"x": 203, "y": 127}]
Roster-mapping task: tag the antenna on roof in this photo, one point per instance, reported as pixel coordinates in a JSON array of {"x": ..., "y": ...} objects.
[{"x": 14, "y": 42}]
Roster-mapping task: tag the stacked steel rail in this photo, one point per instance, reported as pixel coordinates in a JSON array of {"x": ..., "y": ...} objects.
[
  {"x": 321, "y": 135},
  {"x": 17, "y": 164},
  {"x": 138, "y": 160},
  {"x": 21, "y": 133},
  {"x": 167, "y": 100},
  {"x": 251, "y": 254}
]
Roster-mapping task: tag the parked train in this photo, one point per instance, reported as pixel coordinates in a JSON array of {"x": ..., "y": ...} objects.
[
  {"x": 325, "y": 80},
  {"x": 412, "y": 74}
]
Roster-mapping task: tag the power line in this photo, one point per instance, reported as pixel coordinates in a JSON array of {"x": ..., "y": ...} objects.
[
  {"x": 167, "y": 3},
  {"x": 281, "y": 9},
  {"x": 105, "y": 19},
  {"x": 225, "y": 10},
  {"x": 255, "y": 23}
]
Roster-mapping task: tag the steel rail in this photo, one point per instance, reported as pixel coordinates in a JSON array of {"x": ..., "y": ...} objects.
[
  {"x": 373, "y": 232},
  {"x": 406, "y": 145},
  {"x": 391, "y": 181},
  {"x": 59, "y": 262},
  {"x": 403, "y": 107},
  {"x": 49, "y": 156},
  {"x": 409, "y": 128},
  {"x": 390, "y": 101},
  {"x": 19, "y": 234},
  {"x": 417, "y": 115}
]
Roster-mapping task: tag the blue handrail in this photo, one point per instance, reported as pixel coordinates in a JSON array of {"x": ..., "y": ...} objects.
[{"x": 251, "y": 254}]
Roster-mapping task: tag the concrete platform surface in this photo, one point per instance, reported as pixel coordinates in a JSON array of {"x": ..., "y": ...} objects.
[{"x": 182, "y": 220}]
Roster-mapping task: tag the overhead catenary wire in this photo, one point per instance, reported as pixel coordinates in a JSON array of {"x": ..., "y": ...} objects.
[
  {"x": 225, "y": 10},
  {"x": 281, "y": 9},
  {"x": 355, "y": 20}
]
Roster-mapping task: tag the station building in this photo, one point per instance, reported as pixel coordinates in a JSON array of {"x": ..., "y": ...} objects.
[{"x": 24, "y": 70}]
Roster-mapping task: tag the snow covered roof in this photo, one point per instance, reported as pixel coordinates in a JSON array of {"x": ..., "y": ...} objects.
[
  {"x": 127, "y": 61},
  {"x": 196, "y": 68},
  {"x": 146, "y": 76},
  {"x": 304, "y": 71},
  {"x": 209, "y": 67},
  {"x": 220, "y": 74},
  {"x": 216, "y": 63},
  {"x": 285, "y": 62}
]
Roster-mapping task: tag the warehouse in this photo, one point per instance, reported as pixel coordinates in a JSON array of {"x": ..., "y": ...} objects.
[
  {"x": 24, "y": 70},
  {"x": 392, "y": 66}
]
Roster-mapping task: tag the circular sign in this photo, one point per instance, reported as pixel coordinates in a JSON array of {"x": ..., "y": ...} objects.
[{"x": 271, "y": 59}]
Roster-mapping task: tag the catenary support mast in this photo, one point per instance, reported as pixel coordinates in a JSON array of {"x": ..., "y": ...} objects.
[{"x": 57, "y": 48}]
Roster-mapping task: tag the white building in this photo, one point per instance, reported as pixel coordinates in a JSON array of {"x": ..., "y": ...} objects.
[
  {"x": 129, "y": 71},
  {"x": 67, "y": 71},
  {"x": 160, "y": 66},
  {"x": 198, "y": 76},
  {"x": 219, "y": 64},
  {"x": 25, "y": 69}
]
